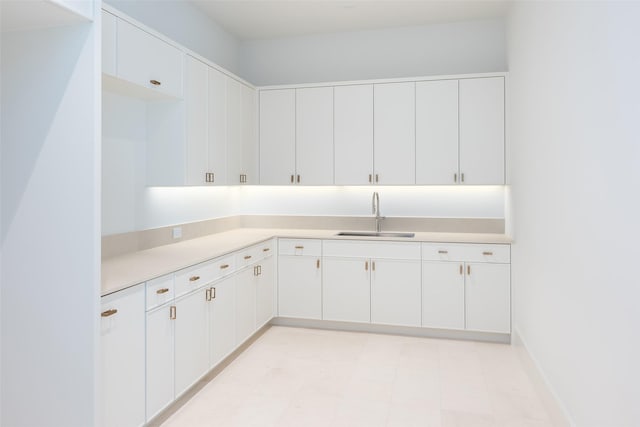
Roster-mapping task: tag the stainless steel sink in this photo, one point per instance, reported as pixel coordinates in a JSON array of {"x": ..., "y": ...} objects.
[{"x": 374, "y": 234}]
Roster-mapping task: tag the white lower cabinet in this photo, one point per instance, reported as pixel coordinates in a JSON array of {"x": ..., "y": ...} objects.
[
  {"x": 160, "y": 359},
  {"x": 191, "y": 339},
  {"x": 245, "y": 304},
  {"x": 299, "y": 287},
  {"x": 443, "y": 295},
  {"x": 122, "y": 356},
  {"x": 346, "y": 291},
  {"x": 395, "y": 292},
  {"x": 221, "y": 319},
  {"x": 488, "y": 297},
  {"x": 265, "y": 291}
]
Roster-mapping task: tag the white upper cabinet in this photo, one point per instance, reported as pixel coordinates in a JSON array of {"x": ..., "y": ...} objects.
[
  {"x": 242, "y": 142},
  {"x": 249, "y": 136},
  {"x": 437, "y": 132},
  {"x": 196, "y": 103},
  {"x": 353, "y": 129},
  {"x": 314, "y": 136},
  {"x": 482, "y": 130},
  {"x": 217, "y": 127},
  {"x": 277, "y": 136},
  {"x": 108, "y": 43},
  {"x": 147, "y": 61},
  {"x": 394, "y": 133}
]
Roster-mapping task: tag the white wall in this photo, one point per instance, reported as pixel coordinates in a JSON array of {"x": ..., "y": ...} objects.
[
  {"x": 574, "y": 109},
  {"x": 184, "y": 23},
  {"x": 50, "y": 226},
  {"x": 465, "y": 47}
]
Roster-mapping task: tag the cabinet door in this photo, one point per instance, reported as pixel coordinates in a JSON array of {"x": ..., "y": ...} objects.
[
  {"x": 108, "y": 43},
  {"x": 234, "y": 131},
  {"x": 245, "y": 288},
  {"x": 394, "y": 133},
  {"x": 192, "y": 340},
  {"x": 482, "y": 130},
  {"x": 395, "y": 292},
  {"x": 277, "y": 136},
  {"x": 443, "y": 295},
  {"x": 299, "y": 287},
  {"x": 346, "y": 291},
  {"x": 217, "y": 122},
  {"x": 437, "y": 132},
  {"x": 353, "y": 157},
  {"x": 147, "y": 61},
  {"x": 222, "y": 320},
  {"x": 488, "y": 297},
  {"x": 122, "y": 356},
  {"x": 196, "y": 106},
  {"x": 314, "y": 136},
  {"x": 250, "y": 148},
  {"x": 265, "y": 292},
  {"x": 160, "y": 360}
]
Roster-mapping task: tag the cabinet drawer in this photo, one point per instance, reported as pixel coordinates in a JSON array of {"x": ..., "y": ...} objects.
[
  {"x": 300, "y": 247},
  {"x": 224, "y": 266},
  {"x": 466, "y": 252},
  {"x": 266, "y": 249},
  {"x": 248, "y": 256},
  {"x": 192, "y": 278},
  {"x": 160, "y": 291},
  {"x": 380, "y": 250}
]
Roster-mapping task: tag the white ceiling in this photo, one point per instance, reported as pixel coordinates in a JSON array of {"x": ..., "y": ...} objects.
[{"x": 266, "y": 19}]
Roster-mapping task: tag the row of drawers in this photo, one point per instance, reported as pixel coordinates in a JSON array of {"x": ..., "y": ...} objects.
[
  {"x": 164, "y": 289},
  {"x": 459, "y": 252}
]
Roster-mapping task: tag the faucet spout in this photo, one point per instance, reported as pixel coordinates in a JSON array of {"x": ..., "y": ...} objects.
[{"x": 375, "y": 209}]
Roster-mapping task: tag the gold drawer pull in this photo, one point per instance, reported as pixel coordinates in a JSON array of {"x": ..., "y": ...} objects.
[
  {"x": 247, "y": 257},
  {"x": 194, "y": 278},
  {"x": 443, "y": 252},
  {"x": 366, "y": 266},
  {"x": 488, "y": 253},
  {"x": 162, "y": 291},
  {"x": 223, "y": 266},
  {"x": 109, "y": 312},
  {"x": 155, "y": 82},
  {"x": 299, "y": 247},
  {"x": 469, "y": 270},
  {"x": 172, "y": 312},
  {"x": 266, "y": 249},
  {"x": 460, "y": 269}
]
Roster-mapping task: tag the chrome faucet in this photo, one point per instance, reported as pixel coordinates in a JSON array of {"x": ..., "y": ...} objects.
[{"x": 375, "y": 209}]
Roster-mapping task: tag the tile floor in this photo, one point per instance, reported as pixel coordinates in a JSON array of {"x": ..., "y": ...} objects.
[{"x": 305, "y": 378}]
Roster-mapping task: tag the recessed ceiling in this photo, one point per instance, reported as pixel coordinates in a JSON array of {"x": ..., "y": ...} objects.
[{"x": 266, "y": 19}]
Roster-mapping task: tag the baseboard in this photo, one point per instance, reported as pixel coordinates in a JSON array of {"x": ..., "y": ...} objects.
[
  {"x": 556, "y": 410},
  {"x": 393, "y": 330}
]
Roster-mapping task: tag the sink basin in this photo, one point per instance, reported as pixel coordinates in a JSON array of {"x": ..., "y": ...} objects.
[{"x": 374, "y": 234}]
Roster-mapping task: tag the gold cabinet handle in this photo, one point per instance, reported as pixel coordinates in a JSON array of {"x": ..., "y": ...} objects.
[
  {"x": 207, "y": 294},
  {"x": 155, "y": 82},
  {"x": 266, "y": 249},
  {"x": 298, "y": 179},
  {"x": 255, "y": 270},
  {"x": 299, "y": 247},
  {"x": 455, "y": 177},
  {"x": 247, "y": 257},
  {"x": 469, "y": 270},
  {"x": 173, "y": 312},
  {"x": 213, "y": 293},
  {"x": 366, "y": 266},
  {"x": 461, "y": 269},
  {"x": 441, "y": 251},
  {"x": 259, "y": 270},
  {"x": 462, "y": 177},
  {"x": 194, "y": 278},
  {"x": 292, "y": 179},
  {"x": 162, "y": 291},
  {"x": 109, "y": 312},
  {"x": 223, "y": 266},
  {"x": 373, "y": 266},
  {"x": 487, "y": 253},
  {"x": 377, "y": 178},
  {"x": 370, "y": 179},
  {"x": 318, "y": 263}
]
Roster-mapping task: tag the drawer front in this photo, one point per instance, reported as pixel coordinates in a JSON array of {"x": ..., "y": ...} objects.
[
  {"x": 300, "y": 247},
  {"x": 248, "y": 256},
  {"x": 192, "y": 278},
  {"x": 224, "y": 266},
  {"x": 266, "y": 249},
  {"x": 378, "y": 250},
  {"x": 160, "y": 291},
  {"x": 466, "y": 252}
]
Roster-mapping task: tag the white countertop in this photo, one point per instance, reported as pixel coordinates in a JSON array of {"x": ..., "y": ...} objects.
[{"x": 136, "y": 267}]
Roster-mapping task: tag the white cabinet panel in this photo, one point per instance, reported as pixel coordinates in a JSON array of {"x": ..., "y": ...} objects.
[
  {"x": 109, "y": 43},
  {"x": 359, "y": 249},
  {"x": 437, "y": 132},
  {"x": 314, "y": 136},
  {"x": 221, "y": 320},
  {"x": 443, "y": 295},
  {"x": 277, "y": 136},
  {"x": 250, "y": 145},
  {"x": 265, "y": 292},
  {"x": 353, "y": 157},
  {"x": 234, "y": 131},
  {"x": 346, "y": 290},
  {"x": 395, "y": 292},
  {"x": 466, "y": 252},
  {"x": 192, "y": 340},
  {"x": 122, "y": 334},
  {"x": 148, "y": 61},
  {"x": 488, "y": 297},
  {"x": 160, "y": 359},
  {"x": 196, "y": 106},
  {"x": 482, "y": 130},
  {"x": 299, "y": 287},
  {"x": 394, "y": 133},
  {"x": 300, "y": 247},
  {"x": 245, "y": 287},
  {"x": 217, "y": 126}
]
